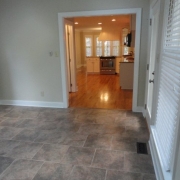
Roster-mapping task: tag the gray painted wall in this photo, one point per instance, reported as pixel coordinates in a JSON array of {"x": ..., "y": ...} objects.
[{"x": 29, "y": 31}]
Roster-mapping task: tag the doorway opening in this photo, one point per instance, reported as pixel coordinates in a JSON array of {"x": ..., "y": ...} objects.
[
  {"x": 63, "y": 16},
  {"x": 101, "y": 46}
]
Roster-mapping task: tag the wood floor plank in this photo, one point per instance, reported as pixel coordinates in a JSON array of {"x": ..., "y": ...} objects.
[{"x": 100, "y": 91}]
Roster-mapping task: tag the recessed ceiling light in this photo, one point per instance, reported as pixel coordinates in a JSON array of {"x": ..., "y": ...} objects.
[
  {"x": 113, "y": 20},
  {"x": 99, "y": 23},
  {"x": 76, "y": 23}
]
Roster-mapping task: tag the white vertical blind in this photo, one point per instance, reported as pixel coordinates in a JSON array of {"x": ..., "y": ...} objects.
[
  {"x": 169, "y": 88},
  {"x": 88, "y": 45},
  {"x": 98, "y": 47}
]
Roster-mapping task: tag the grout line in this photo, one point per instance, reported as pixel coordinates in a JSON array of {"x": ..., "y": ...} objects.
[
  {"x": 5, "y": 118},
  {"x": 38, "y": 170},
  {"x": 85, "y": 140},
  {"x": 17, "y": 133},
  {"x": 93, "y": 158},
  {"x": 38, "y": 151},
  {"x": 71, "y": 171},
  {"x": 65, "y": 154},
  {"x": 111, "y": 142},
  {"x": 106, "y": 174},
  {"x": 7, "y": 168}
]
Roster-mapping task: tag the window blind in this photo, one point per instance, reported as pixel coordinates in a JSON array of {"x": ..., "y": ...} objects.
[{"x": 169, "y": 87}]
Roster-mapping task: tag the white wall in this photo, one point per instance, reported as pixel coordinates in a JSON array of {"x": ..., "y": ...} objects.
[{"x": 29, "y": 31}]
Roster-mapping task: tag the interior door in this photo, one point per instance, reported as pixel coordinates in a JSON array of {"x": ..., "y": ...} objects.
[
  {"x": 153, "y": 58},
  {"x": 70, "y": 55}
]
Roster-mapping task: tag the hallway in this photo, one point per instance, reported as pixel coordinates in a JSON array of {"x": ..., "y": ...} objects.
[{"x": 100, "y": 91}]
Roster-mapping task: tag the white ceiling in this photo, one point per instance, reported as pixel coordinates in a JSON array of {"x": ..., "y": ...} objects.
[{"x": 92, "y": 22}]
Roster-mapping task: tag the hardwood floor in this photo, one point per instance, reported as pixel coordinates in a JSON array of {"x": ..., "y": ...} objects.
[{"x": 100, "y": 91}]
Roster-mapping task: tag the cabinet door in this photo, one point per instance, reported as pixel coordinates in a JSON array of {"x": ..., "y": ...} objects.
[
  {"x": 126, "y": 75},
  {"x": 90, "y": 65},
  {"x": 96, "y": 65}
]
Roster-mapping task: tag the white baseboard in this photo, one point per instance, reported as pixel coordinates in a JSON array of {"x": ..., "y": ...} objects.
[
  {"x": 161, "y": 174},
  {"x": 138, "y": 109},
  {"x": 155, "y": 158},
  {"x": 144, "y": 112},
  {"x": 32, "y": 103}
]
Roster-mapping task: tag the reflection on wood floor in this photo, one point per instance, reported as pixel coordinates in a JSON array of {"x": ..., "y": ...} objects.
[{"x": 100, "y": 91}]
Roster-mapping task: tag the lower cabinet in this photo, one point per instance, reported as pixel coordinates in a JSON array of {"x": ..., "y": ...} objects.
[
  {"x": 90, "y": 65},
  {"x": 126, "y": 75},
  {"x": 93, "y": 65}
]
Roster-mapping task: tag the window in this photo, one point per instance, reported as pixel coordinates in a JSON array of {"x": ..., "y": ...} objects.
[
  {"x": 111, "y": 48},
  {"x": 107, "y": 48},
  {"x": 98, "y": 47},
  {"x": 115, "y": 48},
  {"x": 88, "y": 45},
  {"x": 101, "y": 48}
]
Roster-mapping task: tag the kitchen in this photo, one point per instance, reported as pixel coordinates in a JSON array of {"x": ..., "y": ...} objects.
[{"x": 96, "y": 40}]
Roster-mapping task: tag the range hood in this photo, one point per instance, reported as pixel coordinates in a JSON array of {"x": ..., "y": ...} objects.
[{"x": 110, "y": 34}]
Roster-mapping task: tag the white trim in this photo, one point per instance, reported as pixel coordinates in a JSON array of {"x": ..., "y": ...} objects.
[
  {"x": 32, "y": 103},
  {"x": 138, "y": 109},
  {"x": 153, "y": 7},
  {"x": 64, "y": 74},
  {"x": 61, "y": 16},
  {"x": 144, "y": 114},
  {"x": 136, "y": 61},
  {"x": 161, "y": 174},
  {"x": 71, "y": 52},
  {"x": 155, "y": 159}
]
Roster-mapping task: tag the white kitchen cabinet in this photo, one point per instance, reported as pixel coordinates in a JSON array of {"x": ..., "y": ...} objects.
[
  {"x": 93, "y": 65},
  {"x": 96, "y": 65},
  {"x": 89, "y": 65}
]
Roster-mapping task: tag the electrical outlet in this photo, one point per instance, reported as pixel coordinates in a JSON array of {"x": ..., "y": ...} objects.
[{"x": 42, "y": 93}]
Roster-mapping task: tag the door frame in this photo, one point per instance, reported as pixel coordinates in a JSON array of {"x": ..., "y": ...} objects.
[
  {"x": 71, "y": 67},
  {"x": 155, "y": 7},
  {"x": 61, "y": 23}
]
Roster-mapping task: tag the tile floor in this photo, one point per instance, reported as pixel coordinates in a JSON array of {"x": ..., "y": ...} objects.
[{"x": 72, "y": 144}]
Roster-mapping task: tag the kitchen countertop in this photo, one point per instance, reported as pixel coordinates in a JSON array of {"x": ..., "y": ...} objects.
[
  {"x": 126, "y": 60},
  {"x": 129, "y": 61}
]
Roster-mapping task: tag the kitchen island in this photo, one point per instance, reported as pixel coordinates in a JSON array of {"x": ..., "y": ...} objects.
[{"x": 126, "y": 74}]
